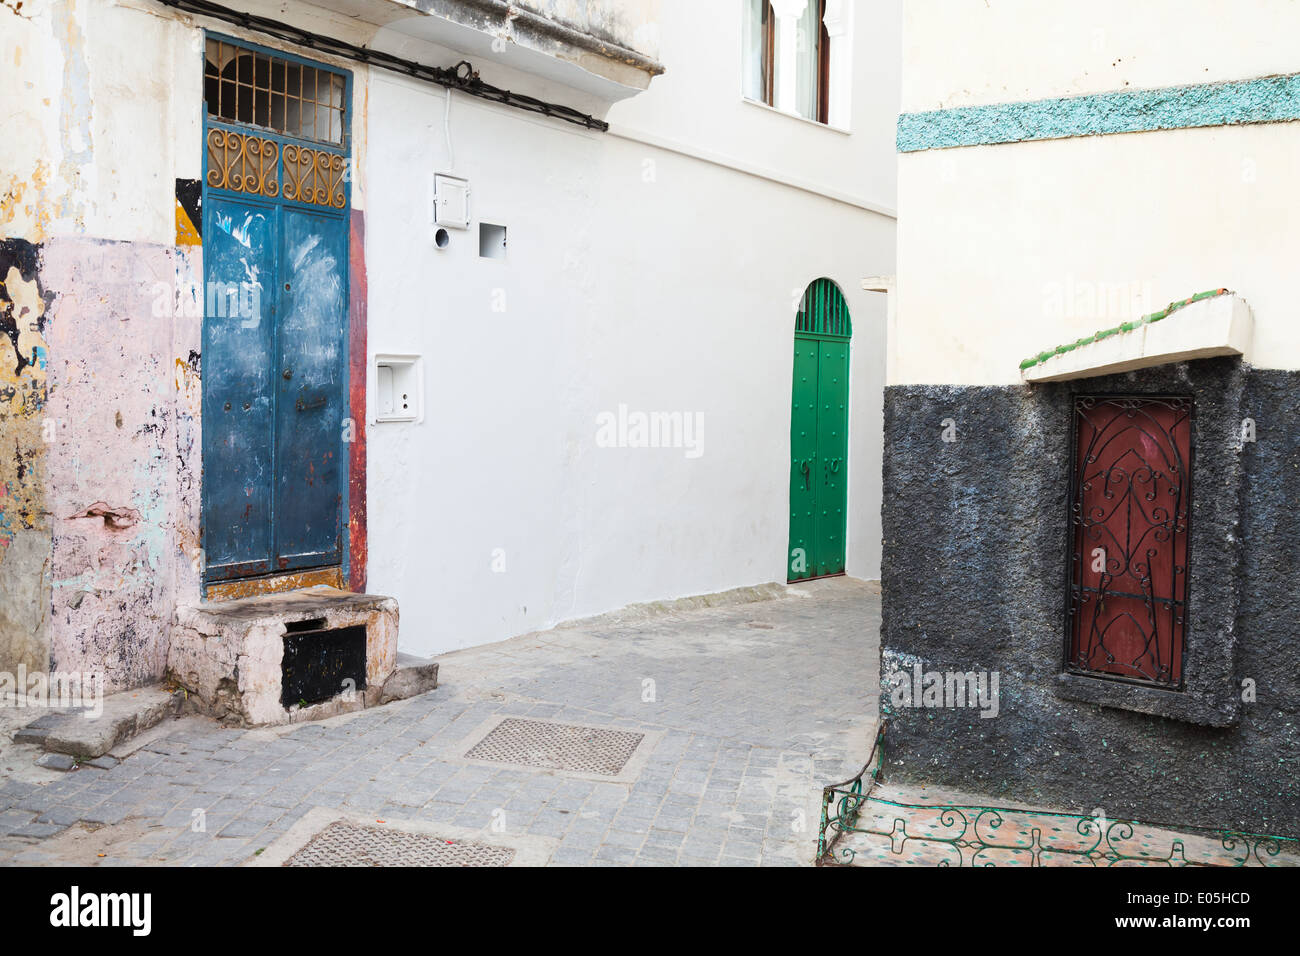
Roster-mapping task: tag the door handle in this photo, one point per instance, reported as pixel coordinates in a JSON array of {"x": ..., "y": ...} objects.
[{"x": 303, "y": 406}]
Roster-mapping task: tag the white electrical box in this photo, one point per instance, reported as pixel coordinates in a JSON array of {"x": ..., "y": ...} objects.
[
  {"x": 398, "y": 388},
  {"x": 450, "y": 202}
]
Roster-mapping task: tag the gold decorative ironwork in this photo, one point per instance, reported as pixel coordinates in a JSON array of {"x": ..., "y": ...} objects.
[
  {"x": 314, "y": 176},
  {"x": 246, "y": 164}
]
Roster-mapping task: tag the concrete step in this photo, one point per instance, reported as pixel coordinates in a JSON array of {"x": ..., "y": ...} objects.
[
  {"x": 230, "y": 655},
  {"x": 414, "y": 676},
  {"x": 87, "y": 735}
]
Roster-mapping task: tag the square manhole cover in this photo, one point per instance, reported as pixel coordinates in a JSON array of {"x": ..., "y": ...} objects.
[
  {"x": 349, "y": 844},
  {"x": 569, "y": 747}
]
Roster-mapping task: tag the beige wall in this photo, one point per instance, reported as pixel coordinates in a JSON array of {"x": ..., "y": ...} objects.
[
  {"x": 962, "y": 52},
  {"x": 1006, "y": 250}
]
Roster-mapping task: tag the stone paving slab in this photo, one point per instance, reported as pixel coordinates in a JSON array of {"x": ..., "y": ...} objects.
[
  {"x": 120, "y": 717},
  {"x": 750, "y": 709}
]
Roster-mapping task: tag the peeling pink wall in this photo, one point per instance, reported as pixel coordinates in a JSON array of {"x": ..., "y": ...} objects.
[{"x": 121, "y": 473}]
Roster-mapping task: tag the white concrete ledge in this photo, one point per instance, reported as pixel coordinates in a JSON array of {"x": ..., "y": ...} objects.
[{"x": 1222, "y": 325}]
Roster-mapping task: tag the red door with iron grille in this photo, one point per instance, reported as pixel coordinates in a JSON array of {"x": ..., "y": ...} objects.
[{"x": 1129, "y": 510}]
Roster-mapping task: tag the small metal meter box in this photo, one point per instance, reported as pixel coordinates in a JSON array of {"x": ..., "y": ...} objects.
[{"x": 450, "y": 202}]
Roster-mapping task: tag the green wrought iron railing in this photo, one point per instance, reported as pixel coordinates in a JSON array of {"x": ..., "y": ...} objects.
[{"x": 973, "y": 835}]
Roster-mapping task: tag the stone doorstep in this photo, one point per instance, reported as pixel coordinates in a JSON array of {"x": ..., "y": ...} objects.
[
  {"x": 243, "y": 613},
  {"x": 414, "y": 676},
  {"x": 228, "y": 654},
  {"x": 86, "y": 736}
]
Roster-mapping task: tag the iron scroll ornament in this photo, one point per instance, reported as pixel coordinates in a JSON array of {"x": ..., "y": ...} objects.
[
  {"x": 969, "y": 835},
  {"x": 1130, "y": 493}
]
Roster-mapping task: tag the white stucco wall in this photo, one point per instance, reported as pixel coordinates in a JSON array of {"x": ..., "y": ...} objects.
[
  {"x": 103, "y": 105},
  {"x": 965, "y": 52},
  {"x": 1006, "y": 250},
  {"x": 1010, "y": 249},
  {"x": 657, "y": 267},
  {"x": 637, "y": 275},
  {"x": 698, "y": 103}
]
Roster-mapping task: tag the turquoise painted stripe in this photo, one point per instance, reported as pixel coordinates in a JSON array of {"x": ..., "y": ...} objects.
[{"x": 1269, "y": 99}]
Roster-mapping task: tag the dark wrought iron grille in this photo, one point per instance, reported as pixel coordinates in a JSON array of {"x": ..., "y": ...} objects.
[
  {"x": 278, "y": 93},
  {"x": 823, "y": 311},
  {"x": 320, "y": 664},
  {"x": 945, "y": 834},
  {"x": 1130, "y": 493}
]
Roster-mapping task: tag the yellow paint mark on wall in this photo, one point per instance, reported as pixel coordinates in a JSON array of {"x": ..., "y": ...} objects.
[
  {"x": 36, "y": 209},
  {"x": 28, "y": 307},
  {"x": 185, "y": 378},
  {"x": 188, "y": 386},
  {"x": 186, "y": 234}
]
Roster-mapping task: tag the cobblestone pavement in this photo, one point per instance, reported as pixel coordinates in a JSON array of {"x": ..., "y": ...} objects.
[{"x": 749, "y": 708}]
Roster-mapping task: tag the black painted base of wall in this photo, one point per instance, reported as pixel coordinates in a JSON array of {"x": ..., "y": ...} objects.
[{"x": 974, "y": 577}]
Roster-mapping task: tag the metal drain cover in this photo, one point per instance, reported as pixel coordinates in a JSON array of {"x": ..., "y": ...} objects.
[
  {"x": 569, "y": 747},
  {"x": 348, "y": 844}
]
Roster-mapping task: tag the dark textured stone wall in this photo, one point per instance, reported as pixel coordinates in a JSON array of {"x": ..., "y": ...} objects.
[{"x": 973, "y": 575}]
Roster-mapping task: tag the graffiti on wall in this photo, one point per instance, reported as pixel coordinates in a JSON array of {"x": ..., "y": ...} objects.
[
  {"x": 23, "y": 356},
  {"x": 24, "y": 518},
  {"x": 189, "y": 212}
]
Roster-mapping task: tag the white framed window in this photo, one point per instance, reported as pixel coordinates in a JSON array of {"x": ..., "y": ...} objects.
[{"x": 795, "y": 57}]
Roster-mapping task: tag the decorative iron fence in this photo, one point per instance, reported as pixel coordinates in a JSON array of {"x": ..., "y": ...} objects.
[{"x": 972, "y": 835}]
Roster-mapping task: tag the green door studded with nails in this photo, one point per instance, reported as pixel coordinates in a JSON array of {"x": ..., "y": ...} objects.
[{"x": 819, "y": 420}]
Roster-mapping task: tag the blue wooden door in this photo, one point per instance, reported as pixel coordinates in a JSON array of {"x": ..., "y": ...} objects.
[
  {"x": 309, "y": 409},
  {"x": 239, "y": 252},
  {"x": 275, "y": 249}
]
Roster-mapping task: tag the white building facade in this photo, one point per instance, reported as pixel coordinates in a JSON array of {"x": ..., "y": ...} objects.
[{"x": 556, "y": 371}]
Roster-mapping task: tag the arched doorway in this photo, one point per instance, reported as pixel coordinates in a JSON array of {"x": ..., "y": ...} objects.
[{"x": 819, "y": 420}]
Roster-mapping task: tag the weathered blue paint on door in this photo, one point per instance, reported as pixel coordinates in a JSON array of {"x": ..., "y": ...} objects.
[
  {"x": 313, "y": 313},
  {"x": 239, "y": 251},
  {"x": 275, "y": 387}
]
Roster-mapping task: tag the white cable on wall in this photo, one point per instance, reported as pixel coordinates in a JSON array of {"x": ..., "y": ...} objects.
[{"x": 446, "y": 132}]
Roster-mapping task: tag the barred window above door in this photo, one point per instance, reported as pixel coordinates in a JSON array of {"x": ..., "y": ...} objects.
[{"x": 243, "y": 85}]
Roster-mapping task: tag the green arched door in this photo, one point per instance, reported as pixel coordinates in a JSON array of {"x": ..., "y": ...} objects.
[{"x": 819, "y": 426}]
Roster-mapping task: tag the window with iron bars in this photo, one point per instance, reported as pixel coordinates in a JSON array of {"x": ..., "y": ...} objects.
[
  {"x": 242, "y": 85},
  {"x": 1130, "y": 510}
]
